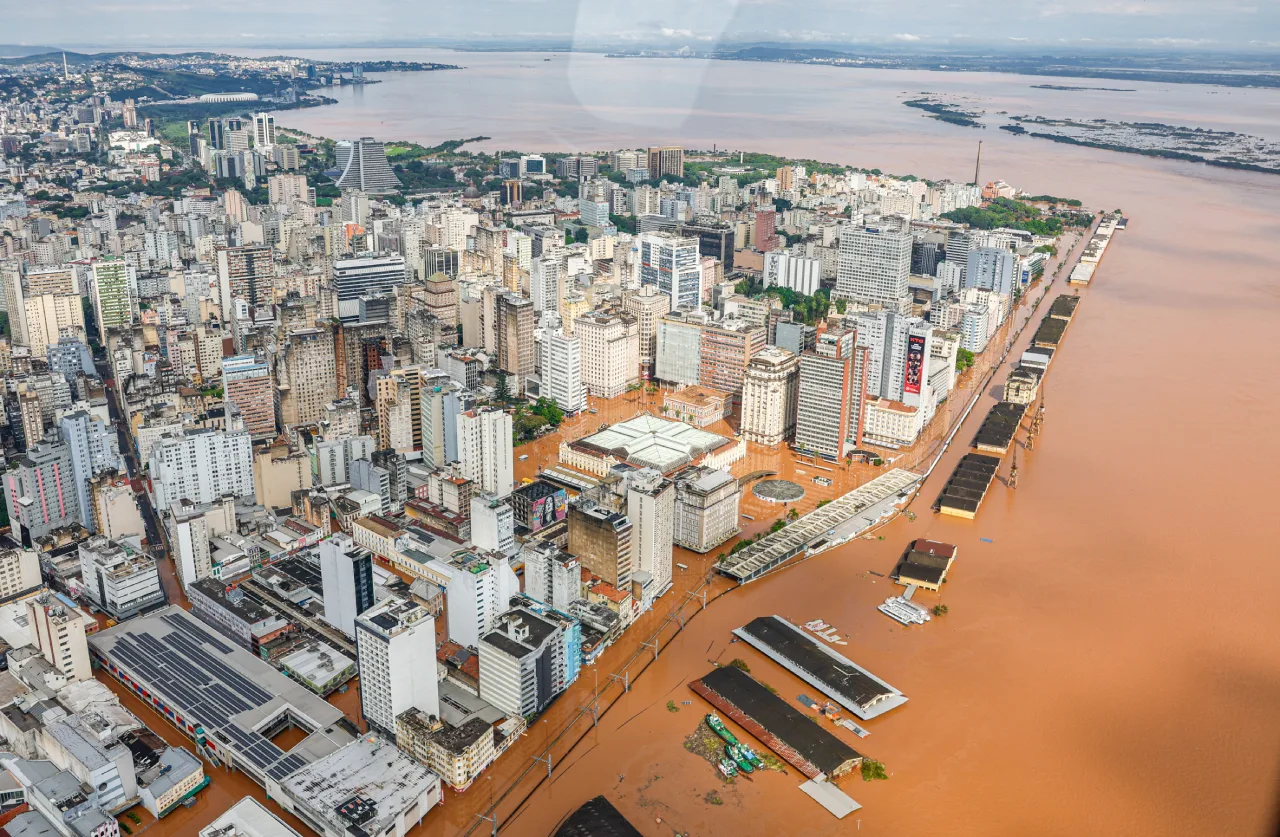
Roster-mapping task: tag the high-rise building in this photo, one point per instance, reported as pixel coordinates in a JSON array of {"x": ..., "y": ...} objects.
[
  {"x": 533, "y": 164},
  {"x": 57, "y": 627},
  {"x": 95, "y": 449},
  {"x": 824, "y": 399},
  {"x": 648, "y": 305},
  {"x": 366, "y": 275},
  {"x": 484, "y": 449},
  {"x": 39, "y": 490},
  {"x": 874, "y": 266},
  {"x": 346, "y": 574},
  {"x": 113, "y": 300},
  {"x": 246, "y": 382},
  {"x": 492, "y": 524},
  {"x": 522, "y": 663},
  {"x": 679, "y": 348},
  {"x": 562, "y": 371},
  {"x": 714, "y": 240},
  {"x": 667, "y": 160},
  {"x": 191, "y": 529},
  {"x": 896, "y": 369},
  {"x": 725, "y": 350},
  {"x": 602, "y": 540},
  {"x": 398, "y": 407},
  {"x": 306, "y": 371},
  {"x": 246, "y": 272},
  {"x": 264, "y": 130},
  {"x": 396, "y": 653},
  {"x": 651, "y": 500},
  {"x": 202, "y": 466},
  {"x": 516, "y": 349},
  {"x": 479, "y": 589},
  {"x": 217, "y": 135},
  {"x": 770, "y": 389},
  {"x": 671, "y": 264},
  {"x": 364, "y": 167},
  {"x": 766, "y": 232},
  {"x": 14, "y": 298},
  {"x": 706, "y": 508},
  {"x": 991, "y": 269},
  {"x": 610, "y": 352}
]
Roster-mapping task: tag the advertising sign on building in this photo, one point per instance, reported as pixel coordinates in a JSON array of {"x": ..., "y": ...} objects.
[{"x": 915, "y": 364}]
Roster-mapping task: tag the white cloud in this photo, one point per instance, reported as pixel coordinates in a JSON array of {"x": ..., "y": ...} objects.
[{"x": 905, "y": 36}]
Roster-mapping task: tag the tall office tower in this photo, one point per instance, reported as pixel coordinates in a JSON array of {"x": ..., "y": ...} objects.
[
  {"x": 523, "y": 664},
  {"x": 95, "y": 449},
  {"x": 562, "y": 371},
  {"x": 202, "y": 466},
  {"x": 672, "y": 265},
  {"x": 440, "y": 294},
  {"x": 714, "y": 239},
  {"x": 991, "y": 269},
  {"x": 874, "y": 266},
  {"x": 354, "y": 277},
  {"x": 512, "y": 192},
  {"x": 666, "y": 160},
  {"x": 950, "y": 277},
  {"x": 897, "y": 348},
  {"x": 246, "y": 382},
  {"x": 306, "y": 372},
  {"x": 193, "y": 140},
  {"x": 288, "y": 188},
  {"x": 264, "y": 130},
  {"x": 610, "y": 352},
  {"x": 396, "y": 404},
  {"x": 959, "y": 245},
  {"x": 50, "y": 317},
  {"x": 113, "y": 302},
  {"x": 396, "y": 653},
  {"x": 795, "y": 272},
  {"x": 217, "y": 135},
  {"x": 246, "y": 272},
  {"x": 31, "y": 413},
  {"x": 770, "y": 390},
  {"x": 679, "y": 350},
  {"x": 651, "y": 506},
  {"x": 190, "y": 528},
  {"x": 58, "y": 630},
  {"x": 364, "y": 167},
  {"x": 492, "y": 526},
  {"x": 927, "y": 252},
  {"x": 516, "y": 347},
  {"x": 823, "y": 398},
  {"x": 725, "y": 350},
  {"x": 484, "y": 449},
  {"x": 129, "y": 113},
  {"x": 39, "y": 491},
  {"x": 766, "y": 237},
  {"x": 602, "y": 540},
  {"x": 346, "y": 574},
  {"x": 546, "y": 283},
  {"x": 533, "y": 164},
  {"x": 14, "y": 300},
  {"x": 648, "y": 305}
]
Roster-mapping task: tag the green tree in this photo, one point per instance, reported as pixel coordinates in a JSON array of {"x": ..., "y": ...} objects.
[
  {"x": 502, "y": 392},
  {"x": 964, "y": 359}
]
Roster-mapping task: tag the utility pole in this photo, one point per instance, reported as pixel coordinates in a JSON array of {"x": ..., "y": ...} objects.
[{"x": 1013, "y": 469}]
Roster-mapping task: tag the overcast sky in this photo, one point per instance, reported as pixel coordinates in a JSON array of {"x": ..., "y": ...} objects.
[{"x": 925, "y": 24}]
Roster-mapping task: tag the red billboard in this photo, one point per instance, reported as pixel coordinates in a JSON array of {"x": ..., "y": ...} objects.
[{"x": 915, "y": 364}]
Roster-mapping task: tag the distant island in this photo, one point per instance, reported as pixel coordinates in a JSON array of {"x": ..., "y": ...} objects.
[{"x": 1068, "y": 87}]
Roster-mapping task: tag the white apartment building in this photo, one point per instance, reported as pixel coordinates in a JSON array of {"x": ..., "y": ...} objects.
[
  {"x": 346, "y": 575},
  {"x": 673, "y": 265},
  {"x": 651, "y": 500},
  {"x": 800, "y": 274},
  {"x": 202, "y": 466},
  {"x": 57, "y": 628},
  {"x": 562, "y": 371},
  {"x": 118, "y": 578},
  {"x": 50, "y": 316},
  {"x": 770, "y": 387},
  {"x": 479, "y": 590},
  {"x": 493, "y": 524},
  {"x": 396, "y": 654},
  {"x": 610, "y": 352},
  {"x": 522, "y": 663},
  {"x": 551, "y": 576},
  {"x": 484, "y": 449},
  {"x": 706, "y": 508}
]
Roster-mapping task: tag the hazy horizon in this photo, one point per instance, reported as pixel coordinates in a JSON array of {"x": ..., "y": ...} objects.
[{"x": 1230, "y": 26}]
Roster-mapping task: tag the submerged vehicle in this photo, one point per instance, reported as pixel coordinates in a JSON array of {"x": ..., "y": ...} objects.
[{"x": 718, "y": 727}]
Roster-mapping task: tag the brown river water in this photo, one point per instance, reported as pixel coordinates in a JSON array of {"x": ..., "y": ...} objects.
[{"x": 1110, "y": 663}]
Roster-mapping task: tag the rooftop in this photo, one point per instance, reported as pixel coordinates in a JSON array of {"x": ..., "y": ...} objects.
[{"x": 654, "y": 442}]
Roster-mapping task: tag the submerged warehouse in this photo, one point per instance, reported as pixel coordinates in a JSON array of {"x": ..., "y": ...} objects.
[
  {"x": 967, "y": 488},
  {"x": 999, "y": 427}
]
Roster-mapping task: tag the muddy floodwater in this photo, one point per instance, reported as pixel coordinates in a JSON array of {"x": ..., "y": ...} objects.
[{"x": 1110, "y": 662}]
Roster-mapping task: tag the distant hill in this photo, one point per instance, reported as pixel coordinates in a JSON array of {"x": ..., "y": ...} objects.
[{"x": 18, "y": 51}]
